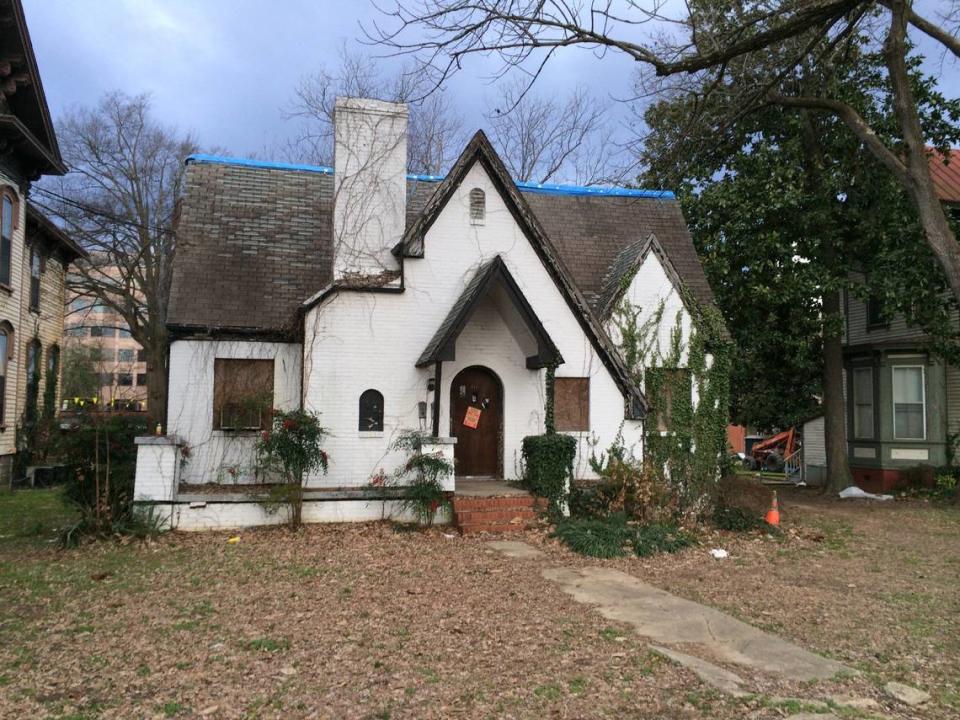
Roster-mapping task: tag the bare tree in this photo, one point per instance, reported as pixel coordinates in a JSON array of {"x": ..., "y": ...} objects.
[
  {"x": 543, "y": 138},
  {"x": 698, "y": 44},
  {"x": 119, "y": 200},
  {"x": 435, "y": 130}
]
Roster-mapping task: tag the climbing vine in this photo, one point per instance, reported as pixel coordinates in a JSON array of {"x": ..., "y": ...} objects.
[{"x": 685, "y": 443}]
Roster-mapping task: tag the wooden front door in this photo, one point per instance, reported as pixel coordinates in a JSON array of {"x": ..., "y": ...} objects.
[{"x": 476, "y": 421}]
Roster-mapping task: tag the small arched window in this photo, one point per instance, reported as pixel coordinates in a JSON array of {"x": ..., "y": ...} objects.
[
  {"x": 478, "y": 206},
  {"x": 371, "y": 411}
]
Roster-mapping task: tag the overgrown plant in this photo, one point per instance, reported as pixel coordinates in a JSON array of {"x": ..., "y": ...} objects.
[
  {"x": 627, "y": 485},
  {"x": 548, "y": 468},
  {"x": 614, "y": 536},
  {"x": 289, "y": 452},
  {"x": 421, "y": 476},
  {"x": 688, "y": 455}
]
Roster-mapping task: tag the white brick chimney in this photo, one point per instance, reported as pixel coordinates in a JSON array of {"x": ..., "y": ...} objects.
[{"x": 370, "y": 185}]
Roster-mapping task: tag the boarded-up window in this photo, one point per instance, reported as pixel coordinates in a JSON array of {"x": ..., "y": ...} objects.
[
  {"x": 242, "y": 394},
  {"x": 666, "y": 389},
  {"x": 571, "y": 405}
]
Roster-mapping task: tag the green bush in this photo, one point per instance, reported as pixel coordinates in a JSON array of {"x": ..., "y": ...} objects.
[
  {"x": 613, "y": 536},
  {"x": 737, "y": 519},
  {"x": 548, "y": 467},
  {"x": 594, "y": 537},
  {"x": 658, "y": 538},
  {"x": 421, "y": 477}
]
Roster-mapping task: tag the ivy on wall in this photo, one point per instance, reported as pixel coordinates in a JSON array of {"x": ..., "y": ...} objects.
[{"x": 689, "y": 454}]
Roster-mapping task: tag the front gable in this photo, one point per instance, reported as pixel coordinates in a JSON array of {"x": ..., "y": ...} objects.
[{"x": 448, "y": 241}]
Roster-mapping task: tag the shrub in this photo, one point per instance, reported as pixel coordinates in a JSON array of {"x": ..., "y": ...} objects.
[
  {"x": 421, "y": 476},
  {"x": 594, "y": 537},
  {"x": 101, "y": 460},
  {"x": 291, "y": 450},
  {"x": 659, "y": 537},
  {"x": 612, "y": 536},
  {"x": 737, "y": 519},
  {"x": 628, "y": 486},
  {"x": 548, "y": 467}
]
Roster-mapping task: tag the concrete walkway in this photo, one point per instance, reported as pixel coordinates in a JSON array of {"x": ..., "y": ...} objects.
[
  {"x": 697, "y": 633},
  {"x": 666, "y": 618}
]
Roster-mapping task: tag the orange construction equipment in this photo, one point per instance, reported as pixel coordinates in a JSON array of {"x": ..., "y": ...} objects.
[
  {"x": 773, "y": 514},
  {"x": 769, "y": 454}
]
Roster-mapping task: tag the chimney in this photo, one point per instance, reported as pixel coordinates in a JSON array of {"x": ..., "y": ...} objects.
[{"x": 370, "y": 186}]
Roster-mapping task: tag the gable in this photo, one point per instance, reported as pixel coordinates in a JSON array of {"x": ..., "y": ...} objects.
[
  {"x": 508, "y": 220},
  {"x": 24, "y": 115}
]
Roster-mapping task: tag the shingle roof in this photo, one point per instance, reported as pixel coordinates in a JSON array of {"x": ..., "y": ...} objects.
[
  {"x": 946, "y": 176},
  {"x": 255, "y": 240}
]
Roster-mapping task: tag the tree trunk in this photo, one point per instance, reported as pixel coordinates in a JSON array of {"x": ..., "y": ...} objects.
[
  {"x": 157, "y": 376},
  {"x": 918, "y": 181},
  {"x": 834, "y": 415}
]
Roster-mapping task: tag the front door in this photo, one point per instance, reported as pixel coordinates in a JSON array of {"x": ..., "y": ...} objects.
[{"x": 476, "y": 421}]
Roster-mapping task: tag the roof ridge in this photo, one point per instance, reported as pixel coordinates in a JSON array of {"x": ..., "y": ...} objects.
[{"x": 522, "y": 185}]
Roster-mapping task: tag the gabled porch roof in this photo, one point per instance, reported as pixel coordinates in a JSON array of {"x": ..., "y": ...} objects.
[{"x": 492, "y": 274}]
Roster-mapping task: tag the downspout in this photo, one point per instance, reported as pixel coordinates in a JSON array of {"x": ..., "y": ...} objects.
[{"x": 436, "y": 398}]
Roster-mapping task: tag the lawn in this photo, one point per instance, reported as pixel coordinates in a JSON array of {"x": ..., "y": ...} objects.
[{"x": 363, "y": 621}]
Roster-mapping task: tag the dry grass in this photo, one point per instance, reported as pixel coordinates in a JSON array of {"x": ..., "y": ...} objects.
[{"x": 364, "y": 622}]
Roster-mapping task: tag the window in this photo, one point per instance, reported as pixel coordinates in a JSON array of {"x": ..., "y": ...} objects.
[
  {"x": 79, "y": 304},
  {"x": 666, "y": 386},
  {"x": 863, "y": 403},
  {"x": 478, "y": 206},
  {"x": 124, "y": 332},
  {"x": 33, "y": 375},
  {"x": 106, "y": 378},
  {"x": 102, "y": 331},
  {"x": 35, "y": 271},
  {"x": 141, "y": 355},
  {"x": 909, "y": 421},
  {"x": 7, "y": 209},
  {"x": 53, "y": 362},
  {"x": 141, "y": 379},
  {"x": 571, "y": 403},
  {"x": 242, "y": 394},
  {"x": 124, "y": 379},
  {"x": 371, "y": 411},
  {"x": 126, "y": 355},
  {"x": 875, "y": 316},
  {"x": 6, "y": 342},
  {"x": 78, "y": 331}
]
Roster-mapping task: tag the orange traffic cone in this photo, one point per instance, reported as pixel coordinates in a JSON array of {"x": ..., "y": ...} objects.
[{"x": 773, "y": 514}]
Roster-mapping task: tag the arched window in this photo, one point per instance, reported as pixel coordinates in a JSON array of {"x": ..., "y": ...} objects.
[
  {"x": 33, "y": 377},
  {"x": 371, "y": 411},
  {"x": 478, "y": 206},
  {"x": 53, "y": 377},
  {"x": 6, "y": 343},
  {"x": 8, "y": 221}
]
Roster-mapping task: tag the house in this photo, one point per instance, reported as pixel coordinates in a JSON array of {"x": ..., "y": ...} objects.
[
  {"x": 903, "y": 402},
  {"x": 117, "y": 359},
  {"x": 387, "y": 301},
  {"x": 34, "y": 253}
]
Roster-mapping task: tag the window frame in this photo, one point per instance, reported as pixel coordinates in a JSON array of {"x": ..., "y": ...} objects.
[
  {"x": 378, "y": 421},
  {"x": 34, "y": 351},
  {"x": 6, "y": 243},
  {"x": 922, "y": 403},
  {"x": 872, "y": 403},
  {"x": 218, "y": 391},
  {"x": 561, "y": 418},
  {"x": 4, "y": 367},
  {"x": 875, "y": 317},
  {"x": 36, "y": 263},
  {"x": 664, "y": 373}
]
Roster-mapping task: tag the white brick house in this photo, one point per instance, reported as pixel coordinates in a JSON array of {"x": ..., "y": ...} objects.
[{"x": 387, "y": 302}]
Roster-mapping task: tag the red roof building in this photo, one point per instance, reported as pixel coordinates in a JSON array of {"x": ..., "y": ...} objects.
[{"x": 946, "y": 176}]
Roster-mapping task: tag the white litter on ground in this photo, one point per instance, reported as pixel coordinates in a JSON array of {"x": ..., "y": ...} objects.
[
  {"x": 719, "y": 553},
  {"x": 857, "y": 494}
]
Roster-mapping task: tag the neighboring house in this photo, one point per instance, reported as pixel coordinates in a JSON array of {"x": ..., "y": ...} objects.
[
  {"x": 34, "y": 253},
  {"x": 117, "y": 358},
  {"x": 903, "y": 402},
  {"x": 386, "y": 302}
]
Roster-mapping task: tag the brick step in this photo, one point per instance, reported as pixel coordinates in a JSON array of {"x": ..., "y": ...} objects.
[
  {"x": 492, "y": 503},
  {"x": 505, "y": 515},
  {"x": 492, "y": 527}
]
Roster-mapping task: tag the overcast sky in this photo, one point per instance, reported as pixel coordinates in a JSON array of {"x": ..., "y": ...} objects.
[{"x": 226, "y": 68}]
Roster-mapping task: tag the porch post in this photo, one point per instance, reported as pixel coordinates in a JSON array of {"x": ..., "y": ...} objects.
[{"x": 436, "y": 399}]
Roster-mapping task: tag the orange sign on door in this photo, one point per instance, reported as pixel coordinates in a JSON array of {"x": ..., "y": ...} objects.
[{"x": 472, "y": 418}]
